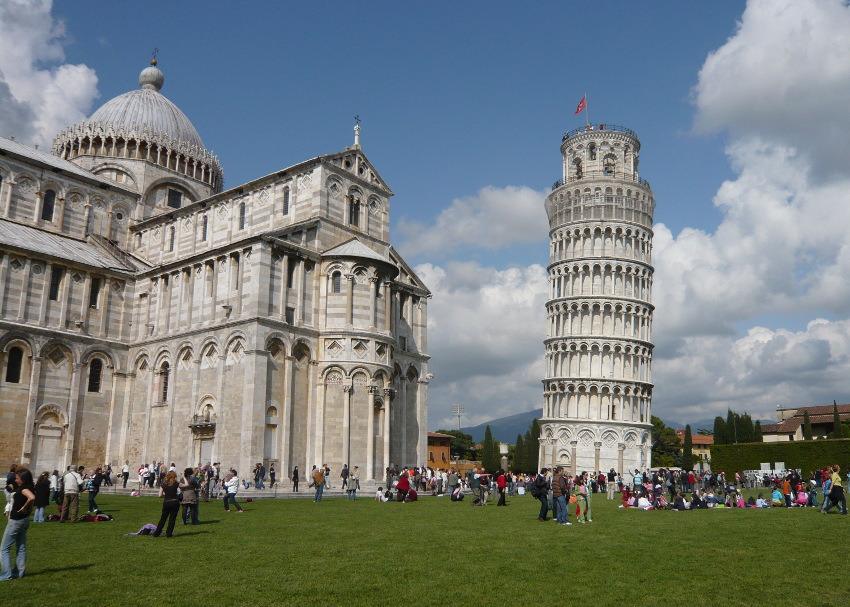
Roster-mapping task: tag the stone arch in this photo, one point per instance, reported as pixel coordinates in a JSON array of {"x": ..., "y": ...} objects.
[{"x": 49, "y": 432}]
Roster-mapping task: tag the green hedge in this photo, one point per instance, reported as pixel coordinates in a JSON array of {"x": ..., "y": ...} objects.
[{"x": 805, "y": 455}]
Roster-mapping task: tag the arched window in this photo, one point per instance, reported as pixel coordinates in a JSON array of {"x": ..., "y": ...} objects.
[
  {"x": 336, "y": 282},
  {"x": 241, "y": 215},
  {"x": 95, "y": 375},
  {"x": 14, "y": 361},
  {"x": 579, "y": 173},
  {"x": 354, "y": 210},
  {"x": 591, "y": 151},
  {"x": 163, "y": 379},
  {"x": 48, "y": 205},
  {"x": 286, "y": 201},
  {"x": 609, "y": 165}
]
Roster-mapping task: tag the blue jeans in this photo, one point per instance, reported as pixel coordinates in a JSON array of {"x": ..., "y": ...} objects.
[
  {"x": 92, "y": 504},
  {"x": 230, "y": 498},
  {"x": 39, "y": 515},
  {"x": 563, "y": 513},
  {"x": 352, "y": 495},
  {"x": 320, "y": 488},
  {"x": 16, "y": 533}
]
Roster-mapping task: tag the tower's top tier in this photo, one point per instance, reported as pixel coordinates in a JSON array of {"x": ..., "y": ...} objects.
[{"x": 600, "y": 151}]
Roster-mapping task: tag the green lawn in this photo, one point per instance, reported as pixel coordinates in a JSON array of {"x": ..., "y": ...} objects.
[{"x": 435, "y": 552}]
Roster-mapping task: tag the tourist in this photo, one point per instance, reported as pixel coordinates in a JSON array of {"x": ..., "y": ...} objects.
[
  {"x": 761, "y": 502},
  {"x": 344, "y": 476},
  {"x": 836, "y": 492},
  {"x": 10, "y": 484},
  {"x": 589, "y": 499},
  {"x": 540, "y": 491},
  {"x": 16, "y": 528},
  {"x": 295, "y": 479},
  {"x": 125, "y": 472},
  {"x": 582, "y": 495},
  {"x": 501, "y": 485},
  {"x": 94, "y": 482},
  {"x": 272, "y": 475},
  {"x": 353, "y": 479},
  {"x": 42, "y": 496},
  {"x": 170, "y": 504},
  {"x": 326, "y": 470},
  {"x": 318, "y": 482},
  {"x": 560, "y": 510},
  {"x": 231, "y": 483},
  {"x": 54, "y": 485},
  {"x": 72, "y": 482},
  {"x": 611, "y": 484},
  {"x": 190, "y": 486},
  {"x": 452, "y": 480},
  {"x": 402, "y": 487}
]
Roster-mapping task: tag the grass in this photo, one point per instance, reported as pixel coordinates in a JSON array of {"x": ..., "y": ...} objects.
[{"x": 435, "y": 552}]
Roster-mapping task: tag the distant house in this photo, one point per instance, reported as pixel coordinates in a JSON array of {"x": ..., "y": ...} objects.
[
  {"x": 439, "y": 449},
  {"x": 790, "y": 423},
  {"x": 701, "y": 445}
]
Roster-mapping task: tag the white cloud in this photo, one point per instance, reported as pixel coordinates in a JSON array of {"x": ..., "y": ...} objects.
[
  {"x": 494, "y": 218},
  {"x": 485, "y": 333},
  {"x": 37, "y": 101}
]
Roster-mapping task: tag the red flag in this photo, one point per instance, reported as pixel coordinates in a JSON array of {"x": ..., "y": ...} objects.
[{"x": 582, "y": 105}]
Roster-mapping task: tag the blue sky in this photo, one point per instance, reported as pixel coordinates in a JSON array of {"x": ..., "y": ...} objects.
[{"x": 463, "y": 107}]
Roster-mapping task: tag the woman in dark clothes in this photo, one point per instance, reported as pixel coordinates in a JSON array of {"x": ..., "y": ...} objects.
[
  {"x": 170, "y": 505},
  {"x": 42, "y": 496}
]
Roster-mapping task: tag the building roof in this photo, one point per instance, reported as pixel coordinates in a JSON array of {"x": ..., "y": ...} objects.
[
  {"x": 57, "y": 245},
  {"x": 439, "y": 435},
  {"x": 146, "y": 109},
  {"x": 355, "y": 248},
  {"x": 817, "y": 416},
  {"x": 54, "y": 162}
]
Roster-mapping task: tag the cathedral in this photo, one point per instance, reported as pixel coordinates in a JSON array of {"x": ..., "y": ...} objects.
[{"x": 146, "y": 313}]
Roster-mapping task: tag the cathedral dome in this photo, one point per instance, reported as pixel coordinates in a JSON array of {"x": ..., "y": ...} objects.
[{"x": 153, "y": 127}]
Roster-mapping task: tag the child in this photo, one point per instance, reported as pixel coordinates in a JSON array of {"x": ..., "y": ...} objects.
[
  {"x": 776, "y": 498},
  {"x": 761, "y": 502}
]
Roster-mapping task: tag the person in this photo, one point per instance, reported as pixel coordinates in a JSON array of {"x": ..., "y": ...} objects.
[
  {"x": 272, "y": 475},
  {"x": 611, "y": 484},
  {"x": 170, "y": 505},
  {"x": 231, "y": 483},
  {"x": 16, "y": 528},
  {"x": 540, "y": 490},
  {"x": 295, "y": 479},
  {"x": 326, "y": 470},
  {"x": 73, "y": 483},
  {"x": 95, "y": 480},
  {"x": 581, "y": 493},
  {"x": 836, "y": 492},
  {"x": 319, "y": 483},
  {"x": 403, "y": 486},
  {"x": 353, "y": 479},
  {"x": 344, "y": 476},
  {"x": 502, "y": 485},
  {"x": 125, "y": 472},
  {"x": 42, "y": 496},
  {"x": 776, "y": 498},
  {"x": 379, "y": 495},
  {"x": 761, "y": 502},
  {"x": 559, "y": 496},
  {"x": 54, "y": 485},
  {"x": 452, "y": 480},
  {"x": 190, "y": 486},
  {"x": 10, "y": 483},
  {"x": 588, "y": 499}
]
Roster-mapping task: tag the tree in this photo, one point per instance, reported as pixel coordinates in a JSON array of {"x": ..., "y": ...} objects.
[
  {"x": 731, "y": 427},
  {"x": 533, "y": 461},
  {"x": 836, "y": 421},
  {"x": 757, "y": 437},
  {"x": 488, "y": 453},
  {"x": 688, "y": 450},
  {"x": 519, "y": 455},
  {"x": 665, "y": 444},
  {"x": 807, "y": 425},
  {"x": 719, "y": 431},
  {"x": 746, "y": 433}
]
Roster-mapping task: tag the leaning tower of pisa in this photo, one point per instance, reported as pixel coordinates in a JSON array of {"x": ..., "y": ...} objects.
[{"x": 597, "y": 391}]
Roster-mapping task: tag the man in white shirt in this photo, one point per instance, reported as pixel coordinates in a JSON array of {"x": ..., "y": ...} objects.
[
  {"x": 125, "y": 472},
  {"x": 73, "y": 482}
]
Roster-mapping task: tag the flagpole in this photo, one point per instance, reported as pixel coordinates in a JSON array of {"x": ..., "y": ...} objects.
[{"x": 586, "y": 109}]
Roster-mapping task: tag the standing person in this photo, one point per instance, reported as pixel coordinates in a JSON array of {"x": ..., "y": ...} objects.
[
  {"x": 125, "y": 472},
  {"x": 611, "y": 484},
  {"x": 559, "y": 496},
  {"x": 54, "y": 484},
  {"x": 353, "y": 479},
  {"x": 107, "y": 474},
  {"x": 589, "y": 499},
  {"x": 16, "y": 527},
  {"x": 540, "y": 490},
  {"x": 42, "y": 496},
  {"x": 344, "y": 476},
  {"x": 326, "y": 470},
  {"x": 231, "y": 483},
  {"x": 73, "y": 483},
  {"x": 295, "y": 479},
  {"x": 319, "y": 482},
  {"x": 95, "y": 480},
  {"x": 582, "y": 496},
  {"x": 170, "y": 505},
  {"x": 836, "y": 492},
  {"x": 190, "y": 486},
  {"x": 272, "y": 475},
  {"x": 453, "y": 479},
  {"x": 502, "y": 485}
]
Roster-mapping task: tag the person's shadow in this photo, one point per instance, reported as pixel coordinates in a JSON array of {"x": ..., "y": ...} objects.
[{"x": 58, "y": 569}]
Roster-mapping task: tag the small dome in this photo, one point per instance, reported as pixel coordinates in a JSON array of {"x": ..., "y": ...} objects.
[{"x": 151, "y": 78}]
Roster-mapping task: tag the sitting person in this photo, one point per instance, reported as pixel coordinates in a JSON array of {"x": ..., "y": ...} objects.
[
  {"x": 679, "y": 503},
  {"x": 380, "y": 496},
  {"x": 457, "y": 494},
  {"x": 776, "y": 498},
  {"x": 813, "y": 497},
  {"x": 761, "y": 502},
  {"x": 412, "y": 496},
  {"x": 802, "y": 499},
  {"x": 696, "y": 502},
  {"x": 710, "y": 499},
  {"x": 644, "y": 504}
]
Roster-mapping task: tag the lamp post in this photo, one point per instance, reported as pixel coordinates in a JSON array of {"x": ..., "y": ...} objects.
[{"x": 460, "y": 411}]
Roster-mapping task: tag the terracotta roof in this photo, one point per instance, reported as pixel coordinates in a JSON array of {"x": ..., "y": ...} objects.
[
  {"x": 696, "y": 439},
  {"x": 438, "y": 435},
  {"x": 817, "y": 416}
]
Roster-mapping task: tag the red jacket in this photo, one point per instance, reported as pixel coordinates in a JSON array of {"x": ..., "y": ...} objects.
[{"x": 501, "y": 483}]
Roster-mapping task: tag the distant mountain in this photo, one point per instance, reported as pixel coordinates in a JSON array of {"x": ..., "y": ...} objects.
[{"x": 505, "y": 429}]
